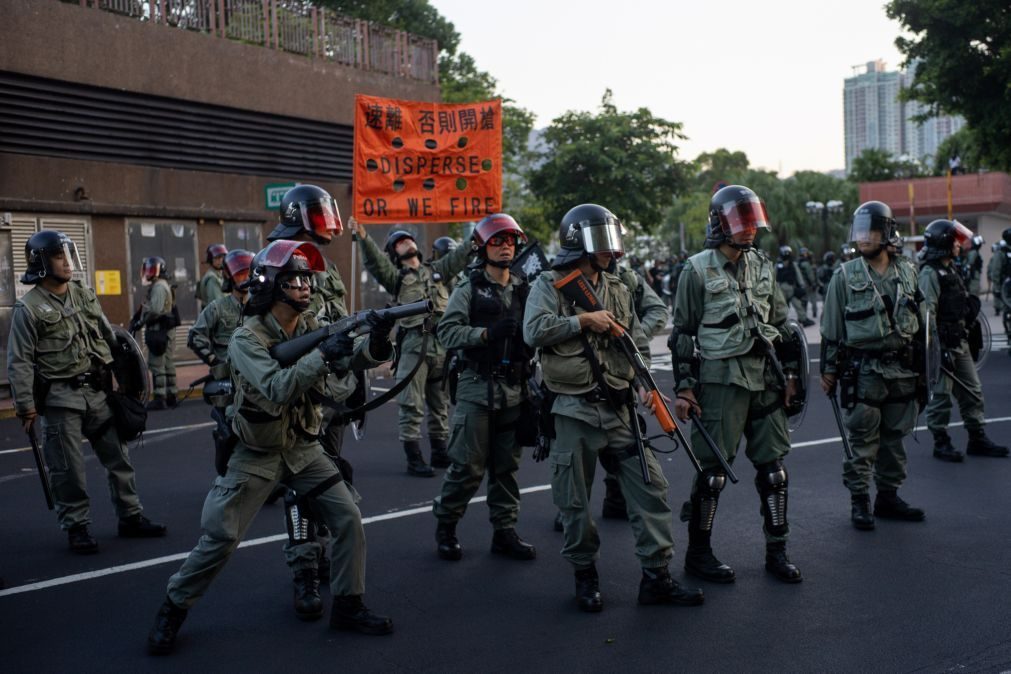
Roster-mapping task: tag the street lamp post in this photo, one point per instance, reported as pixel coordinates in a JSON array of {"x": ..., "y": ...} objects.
[{"x": 823, "y": 209}]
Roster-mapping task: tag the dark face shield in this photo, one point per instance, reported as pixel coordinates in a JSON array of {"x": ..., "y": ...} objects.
[
  {"x": 865, "y": 223},
  {"x": 321, "y": 218},
  {"x": 743, "y": 217}
]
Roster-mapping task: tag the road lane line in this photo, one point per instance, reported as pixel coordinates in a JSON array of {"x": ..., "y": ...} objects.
[
  {"x": 399, "y": 514},
  {"x": 156, "y": 431},
  {"x": 123, "y": 568}
]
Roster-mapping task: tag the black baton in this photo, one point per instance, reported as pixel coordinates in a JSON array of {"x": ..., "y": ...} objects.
[{"x": 40, "y": 464}]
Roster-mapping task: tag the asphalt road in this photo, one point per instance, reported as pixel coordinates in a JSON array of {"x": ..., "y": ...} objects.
[{"x": 930, "y": 596}]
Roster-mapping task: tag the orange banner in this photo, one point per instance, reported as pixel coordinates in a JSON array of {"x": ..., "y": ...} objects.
[{"x": 426, "y": 162}]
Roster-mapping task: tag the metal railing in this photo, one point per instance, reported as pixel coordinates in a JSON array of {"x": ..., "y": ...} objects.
[{"x": 294, "y": 26}]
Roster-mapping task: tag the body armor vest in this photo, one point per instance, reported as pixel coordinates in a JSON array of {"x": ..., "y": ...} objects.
[
  {"x": 487, "y": 309},
  {"x": 69, "y": 334},
  {"x": 734, "y": 312},
  {"x": 423, "y": 283},
  {"x": 268, "y": 426},
  {"x": 872, "y": 316}
]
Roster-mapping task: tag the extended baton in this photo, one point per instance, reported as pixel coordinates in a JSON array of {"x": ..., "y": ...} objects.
[
  {"x": 40, "y": 464},
  {"x": 842, "y": 430},
  {"x": 713, "y": 447}
]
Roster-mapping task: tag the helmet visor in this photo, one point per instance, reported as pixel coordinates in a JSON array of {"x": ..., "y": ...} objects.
[
  {"x": 864, "y": 224},
  {"x": 603, "y": 237},
  {"x": 963, "y": 235},
  {"x": 746, "y": 216},
  {"x": 278, "y": 253},
  {"x": 237, "y": 266},
  {"x": 149, "y": 269},
  {"x": 322, "y": 218}
]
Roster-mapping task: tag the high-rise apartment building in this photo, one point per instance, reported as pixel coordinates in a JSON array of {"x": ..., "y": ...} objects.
[{"x": 874, "y": 117}]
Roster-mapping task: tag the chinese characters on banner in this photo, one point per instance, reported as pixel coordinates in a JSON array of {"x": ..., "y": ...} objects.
[{"x": 426, "y": 162}]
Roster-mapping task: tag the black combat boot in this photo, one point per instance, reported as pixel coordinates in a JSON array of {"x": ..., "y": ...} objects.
[
  {"x": 440, "y": 454},
  {"x": 779, "y": 565},
  {"x": 308, "y": 605},
  {"x": 657, "y": 587},
  {"x": 167, "y": 622},
  {"x": 350, "y": 613},
  {"x": 943, "y": 449},
  {"x": 81, "y": 541},
  {"x": 155, "y": 404},
  {"x": 507, "y": 542},
  {"x": 588, "y": 590},
  {"x": 860, "y": 512},
  {"x": 888, "y": 505},
  {"x": 449, "y": 546},
  {"x": 138, "y": 526},
  {"x": 614, "y": 507},
  {"x": 699, "y": 558},
  {"x": 171, "y": 400},
  {"x": 415, "y": 461},
  {"x": 980, "y": 445}
]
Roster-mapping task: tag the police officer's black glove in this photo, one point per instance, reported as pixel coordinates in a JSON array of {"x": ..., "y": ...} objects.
[
  {"x": 337, "y": 351},
  {"x": 505, "y": 328},
  {"x": 380, "y": 326}
]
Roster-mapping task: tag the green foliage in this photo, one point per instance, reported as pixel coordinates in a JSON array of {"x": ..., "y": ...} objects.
[
  {"x": 963, "y": 65},
  {"x": 786, "y": 202},
  {"x": 626, "y": 161},
  {"x": 414, "y": 16},
  {"x": 965, "y": 145},
  {"x": 874, "y": 165}
]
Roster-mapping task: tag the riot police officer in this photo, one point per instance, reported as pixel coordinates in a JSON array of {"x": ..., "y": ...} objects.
[
  {"x": 209, "y": 338},
  {"x": 586, "y": 370},
  {"x": 309, "y": 214},
  {"x": 211, "y": 284},
  {"x": 482, "y": 320},
  {"x": 825, "y": 271},
  {"x": 954, "y": 309},
  {"x": 792, "y": 284},
  {"x": 399, "y": 269},
  {"x": 870, "y": 325},
  {"x": 974, "y": 265},
  {"x": 58, "y": 352},
  {"x": 805, "y": 262},
  {"x": 730, "y": 309},
  {"x": 278, "y": 424},
  {"x": 159, "y": 317}
]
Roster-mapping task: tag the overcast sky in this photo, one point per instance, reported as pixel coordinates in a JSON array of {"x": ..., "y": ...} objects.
[{"x": 762, "y": 77}]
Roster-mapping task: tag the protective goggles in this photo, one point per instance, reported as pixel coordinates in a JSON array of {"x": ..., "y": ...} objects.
[
  {"x": 502, "y": 239},
  {"x": 296, "y": 281}
]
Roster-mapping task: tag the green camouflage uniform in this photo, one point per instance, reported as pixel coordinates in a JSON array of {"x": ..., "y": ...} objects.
[
  {"x": 736, "y": 386},
  {"x": 210, "y": 287},
  {"x": 974, "y": 267},
  {"x": 953, "y": 341},
  {"x": 158, "y": 307},
  {"x": 993, "y": 275},
  {"x": 792, "y": 284},
  {"x": 428, "y": 282},
  {"x": 64, "y": 336},
  {"x": 469, "y": 442},
  {"x": 856, "y": 317},
  {"x": 278, "y": 427},
  {"x": 588, "y": 428}
]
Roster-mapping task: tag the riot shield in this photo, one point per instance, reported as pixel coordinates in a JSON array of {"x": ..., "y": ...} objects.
[
  {"x": 798, "y": 409},
  {"x": 980, "y": 340},
  {"x": 530, "y": 261},
  {"x": 129, "y": 366},
  {"x": 932, "y": 353}
]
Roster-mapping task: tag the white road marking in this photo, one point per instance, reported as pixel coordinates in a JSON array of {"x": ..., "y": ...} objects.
[
  {"x": 157, "y": 431},
  {"x": 397, "y": 514}
]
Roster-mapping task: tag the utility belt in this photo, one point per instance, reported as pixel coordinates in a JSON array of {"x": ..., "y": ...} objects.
[
  {"x": 602, "y": 394},
  {"x": 512, "y": 372},
  {"x": 902, "y": 356},
  {"x": 91, "y": 379}
]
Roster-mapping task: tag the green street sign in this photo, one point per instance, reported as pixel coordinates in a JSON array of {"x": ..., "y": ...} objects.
[{"x": 272, "y": 195}]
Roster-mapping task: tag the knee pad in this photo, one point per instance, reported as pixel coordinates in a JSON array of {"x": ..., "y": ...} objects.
[
  {"x": 772, "y": 481},
  {"x": 705, "y": 498}
]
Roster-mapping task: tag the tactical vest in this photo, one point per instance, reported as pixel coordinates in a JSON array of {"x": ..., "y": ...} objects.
[
  {"x": 951, "y": 303},
  {"x": 631, "y": 279},
  {"x": 870, "y": 316},
  {"x": 265, "y": 425},
  {"x": 487, "y": 309},
  {"x": 423, "y": 283},
  {"x": 229, "y": 318},
  {"x": 734, "y": 314},
  {"x": 69, "y": 336},
  {"x": 786, "y": 273},
  {"x": 564, "y": 365}
]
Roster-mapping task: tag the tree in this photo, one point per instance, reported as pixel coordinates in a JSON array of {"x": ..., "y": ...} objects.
[
  {"x": 626, "y": 161},
  {"x": 962, "y": 65},
  {"x": 874, "y": 165}
]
